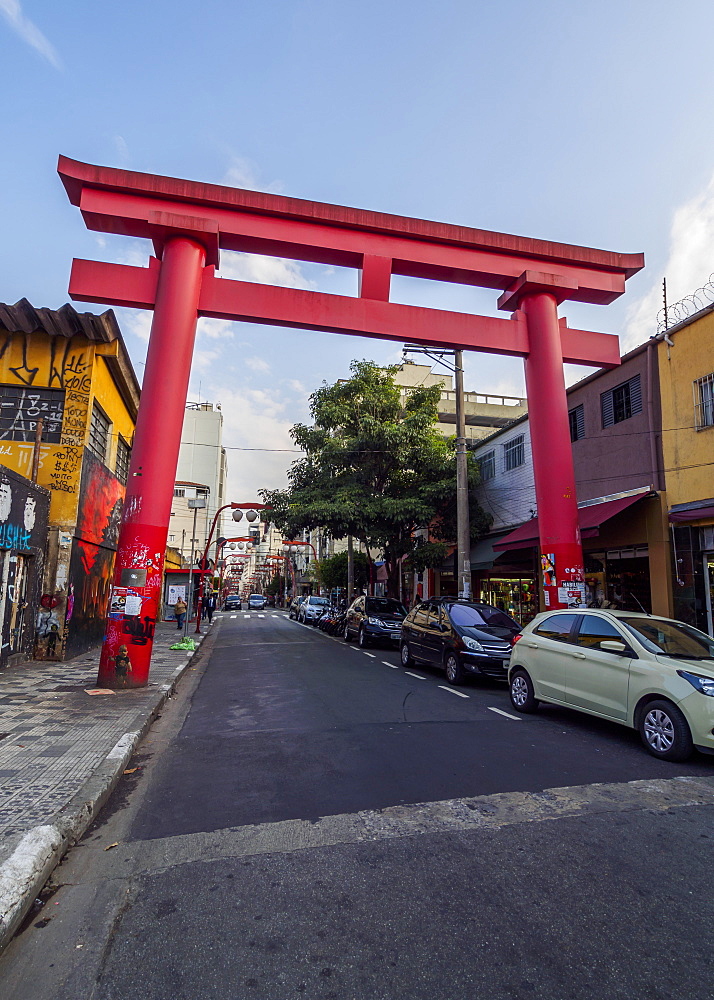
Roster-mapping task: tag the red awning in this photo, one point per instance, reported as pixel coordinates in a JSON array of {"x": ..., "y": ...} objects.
[
  {"x": 692, "y": 514},
  {"x": 590, "y": 519}
]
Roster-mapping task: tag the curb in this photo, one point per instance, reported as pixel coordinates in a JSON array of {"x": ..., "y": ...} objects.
[{"x": 25, "y": 872}]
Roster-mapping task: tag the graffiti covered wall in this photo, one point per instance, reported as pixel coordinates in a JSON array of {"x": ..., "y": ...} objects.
[
  {"x": 93, "y": 551},
  {"x": 24, "y": 509}
]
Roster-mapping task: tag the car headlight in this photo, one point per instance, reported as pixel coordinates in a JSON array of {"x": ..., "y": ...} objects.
[
  {"x": 374, "y": 621},
  {"x": 705, "y": 685},
  {"x": 472, "y": 644}
]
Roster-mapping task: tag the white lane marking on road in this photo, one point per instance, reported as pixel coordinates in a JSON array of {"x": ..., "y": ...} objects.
[
  {"x": 369, "y": 654},
  {"x": 246, "y": 616},
  {"x": 275, "y": 616},
  {"x": 234, "y": 616},
  {"x": 392, "y": 665},
  {"x": 418, "y": 676},
  {"x": 516, "y": 718},
  {"x": 261, "y": 616},
  {"x": 459, "y": 694}
]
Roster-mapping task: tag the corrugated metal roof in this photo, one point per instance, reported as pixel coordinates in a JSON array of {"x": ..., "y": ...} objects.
[{"x": 23, "y": 317}]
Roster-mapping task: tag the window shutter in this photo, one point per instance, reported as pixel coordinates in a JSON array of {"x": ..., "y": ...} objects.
[
  {"x": 608, "y": 418},
  {"x": 580, "y": 421},
  {"x": 635, "y": 395}
]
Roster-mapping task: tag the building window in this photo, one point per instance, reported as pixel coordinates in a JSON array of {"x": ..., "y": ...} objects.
[
  {"x": 704, "y": 402},
  {"x": 487, "y": 466},
  {"x": 122, "y": 464},
  {"x": 202, "y": 491},
  {"x": 99, "y": 429},
  {"x": 621, "y": 402},
  {"x": 172, "y": 538},
  {"x": 21, "y": 408},
  {"x": 179, "y": 491},
  {"x": 513, "y": 453},
  {"x": 576, "y": 418}
]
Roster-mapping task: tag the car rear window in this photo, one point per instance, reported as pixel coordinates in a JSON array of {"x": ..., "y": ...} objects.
[
  {"x": 384, "y": 606},
  {"x": 471, "y": 617},
  {"x": 556, "y": 627}
]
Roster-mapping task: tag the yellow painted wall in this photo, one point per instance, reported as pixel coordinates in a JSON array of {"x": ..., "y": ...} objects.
[
  {"x": 105, "y": 392},
  {"x": 36, "y": 360},
  {"x": 688, "y": 453},
  {"x": 75, "y": 365}
]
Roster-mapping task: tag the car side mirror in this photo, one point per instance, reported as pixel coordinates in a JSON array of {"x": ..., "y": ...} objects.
[{"x": 613, "y": 646}]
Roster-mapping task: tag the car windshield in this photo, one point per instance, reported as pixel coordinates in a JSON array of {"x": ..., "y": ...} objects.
[
  {"x": 318, "y": 600},
  {"x": 671, "y": 638},
  {"x": 468, "y": 616},
  {"x": 384, "y": 606}
]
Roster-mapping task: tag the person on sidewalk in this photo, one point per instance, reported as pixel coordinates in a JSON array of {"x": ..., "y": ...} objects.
[
  {"x": 210, "y": 605},
  {"x": 180, "y": 608}
]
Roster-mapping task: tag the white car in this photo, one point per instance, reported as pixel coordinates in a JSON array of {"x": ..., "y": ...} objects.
[{"x": 312, "y": 609}]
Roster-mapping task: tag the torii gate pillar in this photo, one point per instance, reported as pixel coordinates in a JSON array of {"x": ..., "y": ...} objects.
[{"x": 190, "y": 223}]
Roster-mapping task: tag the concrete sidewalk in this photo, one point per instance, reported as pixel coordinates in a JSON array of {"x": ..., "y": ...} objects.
[{"x": 62, "y": 751}]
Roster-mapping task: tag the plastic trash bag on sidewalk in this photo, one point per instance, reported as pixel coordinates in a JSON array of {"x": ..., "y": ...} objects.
[{"x": 186, "y": 643}]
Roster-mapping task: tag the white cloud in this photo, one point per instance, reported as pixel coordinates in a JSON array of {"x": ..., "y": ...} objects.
[
  {"x": 121, "y": 148},
  {"x": 138, "y": 322},
  {"x": 243, "y": 173},
  {"x": 256, "y": 364},
  {"x": 262, "y": 270},
  {"x": 29, "y": 32},
  {"x": 689, "y": 265},
  {"x": 214, "y": 329}
]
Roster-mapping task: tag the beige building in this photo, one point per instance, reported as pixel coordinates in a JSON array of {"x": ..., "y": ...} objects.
[{"x": 485, "y": 412}]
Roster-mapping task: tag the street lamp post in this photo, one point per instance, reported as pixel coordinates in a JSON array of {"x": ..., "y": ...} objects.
[
  {"x": 198, "y": 504},
  {"x": 308, "y": 545},
  {"x": 238, "y": 509}
]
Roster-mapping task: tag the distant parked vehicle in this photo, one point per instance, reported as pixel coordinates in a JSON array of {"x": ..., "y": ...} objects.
[
  {"x": 295, "y": 606},
  {"x": 461, "y": 637},
  {"x": 374, "y": 619},
  {"x": 312, "y": 609}
]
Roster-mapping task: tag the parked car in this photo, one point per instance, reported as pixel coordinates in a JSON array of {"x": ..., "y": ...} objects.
[
  {"x": 374, "y": 619},
  {"x": 256, "y": 602},
  {"x": 232, "y": 603},
  {"x": 311, "y": 609},
  {"x": 295, "y": 606},
  {"x": 655, "y": 675},
  {"x": 461, "y": 637}
]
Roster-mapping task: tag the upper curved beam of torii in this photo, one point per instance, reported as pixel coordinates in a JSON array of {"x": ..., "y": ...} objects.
[{"x": 376, "y": 244}]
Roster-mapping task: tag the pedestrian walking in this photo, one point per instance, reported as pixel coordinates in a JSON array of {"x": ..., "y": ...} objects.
[
  {"x": 180, "y": 608},
  {"x": 210, "y": 607}
]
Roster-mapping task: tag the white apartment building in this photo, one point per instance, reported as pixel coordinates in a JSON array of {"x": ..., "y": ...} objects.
[{"x": 201, "y": 473}]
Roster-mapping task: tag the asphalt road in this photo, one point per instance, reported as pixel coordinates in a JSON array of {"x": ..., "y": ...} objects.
[{"x": 310, "y": 819}]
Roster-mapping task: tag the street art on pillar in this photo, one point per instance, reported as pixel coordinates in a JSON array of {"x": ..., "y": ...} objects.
[
  {"x": 189, "y": 224},
  {"x": 93, "y": 552}
]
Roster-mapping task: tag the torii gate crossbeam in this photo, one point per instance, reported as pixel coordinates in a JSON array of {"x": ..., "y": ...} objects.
[{"x": 189, "y": 223}]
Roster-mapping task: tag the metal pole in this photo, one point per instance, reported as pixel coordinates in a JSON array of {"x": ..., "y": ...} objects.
[
  {"x": 350, "y": 569},
  {"x": 190, "y": 578},
  {"x": 36, "y": 450},
  {"x": 463, "y": 530}
]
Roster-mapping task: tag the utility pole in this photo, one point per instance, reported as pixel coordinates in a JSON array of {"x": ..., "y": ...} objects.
[
  {"x": 198, "y": 504},
  {"x": 462, "y": 565},
  {"x": 350, "y": 569},
  {"x": 463, "y": 531}
]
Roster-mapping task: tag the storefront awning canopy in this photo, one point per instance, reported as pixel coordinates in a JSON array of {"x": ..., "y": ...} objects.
[
  {"x": 482, "y": 555},
  {"x": 589, "y": 517},
  {"x": 697, "y": 511}
]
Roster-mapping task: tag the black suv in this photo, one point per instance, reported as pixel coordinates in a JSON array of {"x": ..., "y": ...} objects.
[
  {"x": 374, "y": 618},
  {"x": 460, "y": 637}
]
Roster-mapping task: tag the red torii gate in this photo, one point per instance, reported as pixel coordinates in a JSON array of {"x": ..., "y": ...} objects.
[{"x": 190, "y": 222}]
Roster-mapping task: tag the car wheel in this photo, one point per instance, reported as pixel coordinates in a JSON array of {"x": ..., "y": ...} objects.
[
  {"x": 405, "y": 656},
  {"x": 454, "y": 671},
  {"x": 522, "y": 692},
  {"x": 664, "y": 731},
  {"x": 362, "y": 639},
  {"x": 346, "y": 634}
]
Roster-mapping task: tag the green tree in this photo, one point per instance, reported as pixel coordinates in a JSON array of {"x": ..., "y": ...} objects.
[
  {"x": 334, "y": 570},
  {"x": 375, "y": 467}
]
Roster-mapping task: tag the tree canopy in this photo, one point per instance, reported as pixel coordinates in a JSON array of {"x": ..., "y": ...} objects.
[{"x": 375, "y": 467}]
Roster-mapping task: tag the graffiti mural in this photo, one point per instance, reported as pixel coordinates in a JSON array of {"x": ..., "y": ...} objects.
[
  {"x": 93, "y": 551},
  {"x": 24, "y": 508}
]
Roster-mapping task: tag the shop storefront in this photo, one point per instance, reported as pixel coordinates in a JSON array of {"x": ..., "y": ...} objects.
[{"x": 692, "y": 526}]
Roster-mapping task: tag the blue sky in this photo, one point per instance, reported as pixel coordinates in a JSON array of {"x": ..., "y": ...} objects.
[{"x": 585, "y": 121}]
